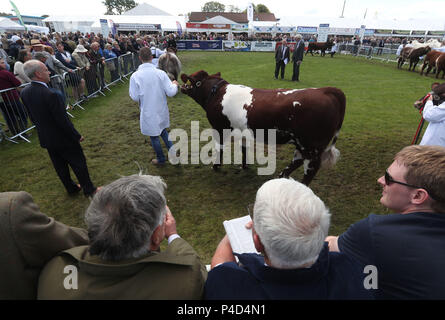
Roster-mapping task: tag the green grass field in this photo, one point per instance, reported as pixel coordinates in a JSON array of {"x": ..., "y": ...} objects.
[{"x": 380, "y": 120}]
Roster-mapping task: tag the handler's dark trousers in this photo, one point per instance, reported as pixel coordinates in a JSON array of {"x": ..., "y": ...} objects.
[
  {"x": 279, "y": 65},
  {"x": 73, "y": 157}
]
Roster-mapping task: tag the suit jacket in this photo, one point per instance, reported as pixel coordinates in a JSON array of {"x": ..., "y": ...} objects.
[
  {"x": 176, "y": 273},
  {"x": 47, "y": 110},
  {"x": 298, "y": 51},
  {"x": 279, "y": 53},
  {"x": 28, "y": 240},
  {"x": 333, "y": 276}
]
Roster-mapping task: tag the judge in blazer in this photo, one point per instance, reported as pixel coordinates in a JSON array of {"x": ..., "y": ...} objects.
[
  {"x": 281, "y": 58},
  {"x": 28, "y": 240},
  {"x": 297, "y": 57},
  {"x": 56, "y": 132}
]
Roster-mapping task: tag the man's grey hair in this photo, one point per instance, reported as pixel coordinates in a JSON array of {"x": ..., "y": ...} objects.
[
  {"x": 40, "y": 56},
  {"x": 123, "y": 215},
  {"x": 292, "y": 223},
  {"x": 30, "y": 67}
]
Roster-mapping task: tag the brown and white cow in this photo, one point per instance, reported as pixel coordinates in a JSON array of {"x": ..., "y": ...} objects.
[{"x": 310, "y": 119}]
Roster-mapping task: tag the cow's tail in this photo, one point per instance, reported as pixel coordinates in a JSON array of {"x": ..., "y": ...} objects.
[{"x": 331, "y": 154}]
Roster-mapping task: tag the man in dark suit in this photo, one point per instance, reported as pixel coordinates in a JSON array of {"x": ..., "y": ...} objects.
[
  {"x": 281, "y": 58},
  {"x": 297, "y": 57},
  {"x": 56, "y": 132}
]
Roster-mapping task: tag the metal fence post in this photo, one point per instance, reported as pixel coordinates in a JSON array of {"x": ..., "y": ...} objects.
[{"x": 15, "y": 115}]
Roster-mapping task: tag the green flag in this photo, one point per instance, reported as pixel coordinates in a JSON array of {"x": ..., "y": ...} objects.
[{"x": 17, "y": 12}]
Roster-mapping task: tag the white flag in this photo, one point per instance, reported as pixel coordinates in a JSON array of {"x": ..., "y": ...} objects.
[{"x": 250, "y": 12}]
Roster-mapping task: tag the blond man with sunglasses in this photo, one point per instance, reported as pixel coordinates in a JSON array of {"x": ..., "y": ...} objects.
[{"x": 406, "y": 248}]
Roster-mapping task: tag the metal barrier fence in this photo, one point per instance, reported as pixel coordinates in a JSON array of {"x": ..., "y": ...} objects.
[
  {"x": 384, "y": 54},
  {"x": 75, "y": 87}
]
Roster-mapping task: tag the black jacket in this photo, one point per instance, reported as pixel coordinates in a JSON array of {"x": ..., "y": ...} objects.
[{"x": 47, "y": 111}]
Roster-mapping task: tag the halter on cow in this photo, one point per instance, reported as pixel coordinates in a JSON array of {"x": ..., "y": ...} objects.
[{"x": 310, "y": 119}]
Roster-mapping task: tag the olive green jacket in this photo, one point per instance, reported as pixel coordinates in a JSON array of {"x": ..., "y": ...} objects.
[
  {"x": 28, "y": 240},
  {"x": 176, "y": 273}
]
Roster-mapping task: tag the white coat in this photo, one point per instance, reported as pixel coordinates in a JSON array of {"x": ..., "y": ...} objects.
[
  {"x": 435, "y": 133},
  {"x": 149, "y": 87}
]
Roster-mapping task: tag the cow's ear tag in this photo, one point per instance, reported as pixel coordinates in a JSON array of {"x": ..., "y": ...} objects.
[
  {"x": 198, "y": 84},
  {"x": 188, "y": 83}
]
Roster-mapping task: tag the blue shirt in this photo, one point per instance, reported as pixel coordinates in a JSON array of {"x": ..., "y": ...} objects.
[{"x": 407, "y": 249}]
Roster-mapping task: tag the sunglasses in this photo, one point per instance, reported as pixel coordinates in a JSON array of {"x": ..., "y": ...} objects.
[{"x": 389, "y": 180}]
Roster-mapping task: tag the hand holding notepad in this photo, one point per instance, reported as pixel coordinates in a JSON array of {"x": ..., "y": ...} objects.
[{"x": 239, "y": 236}]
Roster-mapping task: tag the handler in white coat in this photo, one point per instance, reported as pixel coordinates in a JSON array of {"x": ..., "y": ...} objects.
[
  {"x": 435, "y": 133},
  {"x": 149, "y": 87}
]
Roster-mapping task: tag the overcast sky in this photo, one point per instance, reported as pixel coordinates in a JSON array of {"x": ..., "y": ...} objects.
[{"x": 380, "y": 9}]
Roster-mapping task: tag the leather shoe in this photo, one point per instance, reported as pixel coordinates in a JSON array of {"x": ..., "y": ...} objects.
[
  {"x": 157, "y": 163},
  {"x": 72, "y": 193},
  {"x": 91, "y": 195}
]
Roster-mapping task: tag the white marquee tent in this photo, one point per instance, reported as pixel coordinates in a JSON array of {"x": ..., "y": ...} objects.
[
  {"x": 9, "y": 25},
  {"x": 125, "y": 22}
]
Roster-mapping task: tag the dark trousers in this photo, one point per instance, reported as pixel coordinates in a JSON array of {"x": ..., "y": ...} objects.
[
  {"x": 280, "y": 65},
  {"x": 73, "y": 157},
  {"x": 296, "y": 72}
]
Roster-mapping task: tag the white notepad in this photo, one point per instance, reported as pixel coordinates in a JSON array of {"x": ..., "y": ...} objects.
[{"x": 240, "y": 238}]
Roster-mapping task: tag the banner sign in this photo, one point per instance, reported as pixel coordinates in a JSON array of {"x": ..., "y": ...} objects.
[
  {"x": 263, "y": 46},
  {"x": 285, "y": 29},
  {"x": 240, "y": 27},
  {"x": 362, "y": 32},
  {"x": 419, "y": 33},
  {"x": 17, "y": 13},
  {"x": 383, "y": 31},
  {"x": 301, "y": 29},
  {"x": 323, "y": 31},
  {"x": 199, "y": 45},
  {"x": 264, "y": 29},
  {"x": 207, "y": 26},
  {"x": 344, "y": 31},
  {"x": 407, "y": 32},
  {"x": 113, "y": 28},
  {"x": 250, "y": 12},
  {"x": 436, "y": 33},
  {"x": 104, "y": 27},
  {"x": 236, "y": 46},
  {"x": 179, "y": 27},
  {"x": 137, "y": 26}
]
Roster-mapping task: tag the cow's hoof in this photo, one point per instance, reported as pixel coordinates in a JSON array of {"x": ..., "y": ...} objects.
[
  {"x": 244, "y": 167},
  {"x": 283, "y": 175}
]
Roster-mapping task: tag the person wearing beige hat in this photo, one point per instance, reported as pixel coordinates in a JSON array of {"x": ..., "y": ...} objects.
[{"x": 79, "y": 55}]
